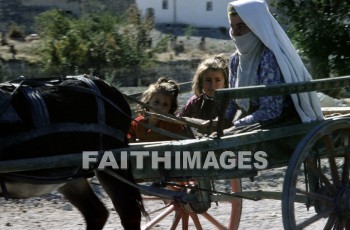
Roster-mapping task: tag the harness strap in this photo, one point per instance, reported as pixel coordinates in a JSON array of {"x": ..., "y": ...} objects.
[
  {"x": 60, "y": 128},
  {"x": 77, "y": 173},
  {"x": 100, "y": 105},
  {"x": 7, "y": 112},
  {"x": 38, "y": 108},
  {"x": 107, "y": 100},
  {"x": 4, "y": 191}
]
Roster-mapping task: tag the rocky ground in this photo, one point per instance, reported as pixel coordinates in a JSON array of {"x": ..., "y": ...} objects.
[{"x": 53, "y": 212}]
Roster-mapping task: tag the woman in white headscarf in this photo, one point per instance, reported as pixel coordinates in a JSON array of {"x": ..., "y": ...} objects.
[{"x": 265, "y": 56}]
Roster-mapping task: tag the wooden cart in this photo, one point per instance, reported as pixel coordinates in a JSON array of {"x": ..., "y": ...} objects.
[{"x": 317, "y": 156}]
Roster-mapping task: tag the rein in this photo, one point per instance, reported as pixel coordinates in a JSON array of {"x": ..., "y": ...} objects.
[
  {"x": 158, "y": 130},
  {"x": 170, "y": 118},
  {"x": 101, "y": 118},
  {"x": 166, "y": 115},
  {"x": 46, "y": 179}
]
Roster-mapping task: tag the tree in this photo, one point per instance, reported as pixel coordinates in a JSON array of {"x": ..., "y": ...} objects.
[
  {"x": 320, "y": 29},
  {"x": 94, "y": 43}
]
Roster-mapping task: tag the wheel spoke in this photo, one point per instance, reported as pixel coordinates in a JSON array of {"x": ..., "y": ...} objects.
[
  {"x": 236, "y": 211},
  {"x": 235, "y": 185},
  {"x": 236, "y": 205},
  {"x": 178, "y": 215},
  {"x": 330, "y": 222},
  {"x": 196, "y": 221},
  {"x": 335, "y": 227},
  {"x": 186, "y": 214},
  {"x": 347, "y": 224},
  {"x": 317, "y": 171},
  {"x": 185, "y": 221},
  {"x": 332, "y": 164},
  {"x": 316, "y": 196},
  {"x": 212, "y": 220},
  {"x": 339, "y": 225},
  {"x": 160, "y": 217},
  {"x": 315, "y": 218},
  {"x": 346, "y": 168}
]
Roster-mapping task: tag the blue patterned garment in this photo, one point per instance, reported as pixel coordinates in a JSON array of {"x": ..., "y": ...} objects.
[{"x": 264, "y": 108}]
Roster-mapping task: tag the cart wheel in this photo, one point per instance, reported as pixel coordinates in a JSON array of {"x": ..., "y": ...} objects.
[
  {"x": 316, "y": 189},
  {"x": 199, "y": 215}
]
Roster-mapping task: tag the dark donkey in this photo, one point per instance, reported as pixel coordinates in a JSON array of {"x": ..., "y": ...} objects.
[{"x": 61, "y": 116}]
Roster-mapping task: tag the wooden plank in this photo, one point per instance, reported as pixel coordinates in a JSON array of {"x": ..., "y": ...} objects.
[
  {"x": 283, "y": 89},
  {"x": 184, "y": 88},
  {"x": 204, "y": 144},
  {"x": 233, "y": 142}
]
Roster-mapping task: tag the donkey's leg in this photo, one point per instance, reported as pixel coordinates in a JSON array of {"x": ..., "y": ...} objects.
[
  {"x": 79, "y": 193},
  {"x": 126, "y": 200}
]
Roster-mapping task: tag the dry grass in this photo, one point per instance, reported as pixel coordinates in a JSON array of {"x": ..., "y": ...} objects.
[
  {"x": 25, "y": 50},
  {"x": 29, "y": 51}
]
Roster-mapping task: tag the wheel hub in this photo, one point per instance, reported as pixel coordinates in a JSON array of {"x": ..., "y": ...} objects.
[
  {"x": 202, "y": 203},
  {"x": 342, "y": 201}
]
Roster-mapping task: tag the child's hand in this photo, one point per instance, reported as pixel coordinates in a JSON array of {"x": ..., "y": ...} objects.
[
  {"x": 212, "y": 123},
  {"x": 201, "y": 122},
  {"x": 226, "y": 132},
  {"x": 202, "y": 126}
]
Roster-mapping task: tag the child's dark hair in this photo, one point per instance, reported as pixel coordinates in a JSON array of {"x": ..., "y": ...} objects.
[{"x": 165, "y": 86}]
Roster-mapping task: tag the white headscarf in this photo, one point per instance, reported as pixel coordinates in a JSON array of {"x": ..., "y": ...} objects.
[{"x": 255, "y": 14}]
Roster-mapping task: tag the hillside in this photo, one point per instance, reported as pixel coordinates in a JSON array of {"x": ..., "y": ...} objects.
[
  {"x": 27, "y": 52},
  {"x": 215, "y": 42}
]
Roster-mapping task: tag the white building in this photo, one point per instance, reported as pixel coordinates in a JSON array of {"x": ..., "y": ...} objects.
[{"x": 198, "y": 13}]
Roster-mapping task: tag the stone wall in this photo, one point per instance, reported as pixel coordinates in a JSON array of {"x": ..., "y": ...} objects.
[
  {"x": 23, "y": 12},
  {"x": 181, "y": 71}
]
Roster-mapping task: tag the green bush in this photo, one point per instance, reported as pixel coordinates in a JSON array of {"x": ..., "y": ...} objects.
[
  {"x": 94, "y": 43},
  {"x": 189, "y": 31},
  {"x": 16, "y": 32},
  {"x": 321, "y": 31}
]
